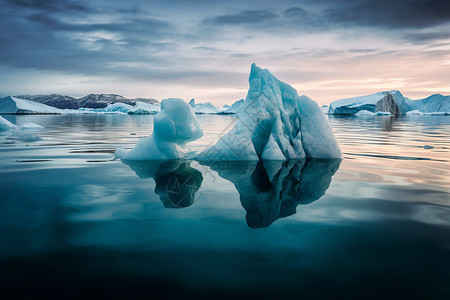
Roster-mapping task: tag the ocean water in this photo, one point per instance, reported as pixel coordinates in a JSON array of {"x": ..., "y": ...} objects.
[{"x": 77, "y": 223}]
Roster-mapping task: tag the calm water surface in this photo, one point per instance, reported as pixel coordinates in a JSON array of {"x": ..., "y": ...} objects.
[{"x": 74, "y": 221}]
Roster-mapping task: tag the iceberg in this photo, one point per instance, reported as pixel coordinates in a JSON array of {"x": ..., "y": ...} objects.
[
  {"x": 365, "y": 113},
  {"x": 275, "y": 123},
  {"x": 13, "y": 105},
  {"x": 325, "y": 109},
  {"x": 142, "y": 108},
  {"x": 118, "y": 108},
  {"x": 5, "y": 124},
  {"x": 203, "y": 108},
  {"x": 235, "y": 108},
  {"x": 23, "y": 132},
  {"x": 173, "y": 127},
  {"x": 388, "y": 101},
  {"x": 433, "y": 104}
]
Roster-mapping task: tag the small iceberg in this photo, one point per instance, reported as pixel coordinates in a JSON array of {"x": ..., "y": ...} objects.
[
  {"x": 6, "y": 125},
  {"x": 24, "y": 132},
  {"x": 174, "y": 126}
]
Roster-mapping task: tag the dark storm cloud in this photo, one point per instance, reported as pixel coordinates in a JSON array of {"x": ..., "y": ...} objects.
[
  {"x": 243, "y": 17},
  {"x": 41, "y": 36},
  {"x": 332, "y": 15},
  {"x": 51, "y": 5},
  {"x": 390, "y": 14},
  {"x": 425, "y": 37}
]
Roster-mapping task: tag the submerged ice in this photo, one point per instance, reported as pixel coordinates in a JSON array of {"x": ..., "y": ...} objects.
[
  {"x": 275, "y": 123},
  {"x": 173, "y": 127}
]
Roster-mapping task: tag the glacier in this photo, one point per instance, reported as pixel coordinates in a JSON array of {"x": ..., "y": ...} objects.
[
  {"x": 173, "y": 127},
  {"x": 392, "y": 102},
  {"x": 275, "y": 123}
]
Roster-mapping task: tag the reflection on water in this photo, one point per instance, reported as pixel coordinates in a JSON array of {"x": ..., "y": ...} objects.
[
  {"x": 268, "y": 190},
  {"x": 71, "y": 226},
  {"x": 176, "y": 181},
  {"x": 388, "y": 122}
]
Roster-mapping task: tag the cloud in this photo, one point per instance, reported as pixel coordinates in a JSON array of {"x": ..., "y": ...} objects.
[
  {"x": 183, "y": 44},
  {"x": 51, "y": 6},
  {"x": 243, "y": 17},
  {"x": 390, "y": 14}
]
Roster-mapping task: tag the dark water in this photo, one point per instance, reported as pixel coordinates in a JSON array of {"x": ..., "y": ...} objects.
[{"x": 75, "y": 223}]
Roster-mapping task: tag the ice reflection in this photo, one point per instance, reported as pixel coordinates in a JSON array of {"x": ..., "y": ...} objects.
[
  {"x": 270, "y": 190},
  {"x": 176, "y": 181}
]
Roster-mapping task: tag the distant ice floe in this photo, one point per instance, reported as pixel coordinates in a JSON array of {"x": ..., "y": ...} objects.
[{"x": 140, "y": 108}]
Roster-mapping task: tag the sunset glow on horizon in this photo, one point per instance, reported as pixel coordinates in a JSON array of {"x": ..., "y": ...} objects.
[{"x": 203, "y": 49}]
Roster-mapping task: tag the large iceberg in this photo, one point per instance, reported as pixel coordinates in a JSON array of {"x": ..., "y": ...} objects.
[
  {"x": 13, "y": 105},
  {"x": 275, "y": 123},
  {"x": 392, "y": 102},
  {"x": 436, "y": 103},
  {"x": 173, "y": 127}
]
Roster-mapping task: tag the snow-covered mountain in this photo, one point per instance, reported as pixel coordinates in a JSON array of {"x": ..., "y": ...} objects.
[
  {"x": 13, "y": 105},
  {"x": 203, "y": 108},
  {"x": 387, "y": 101},
  {"x": 436, "y": 103},
  {"x": 55, "y": 100},
  {"x": 88, "y": 101}
]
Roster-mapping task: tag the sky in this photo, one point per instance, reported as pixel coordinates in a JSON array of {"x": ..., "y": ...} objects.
[{"x": 201, "y": 49}]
